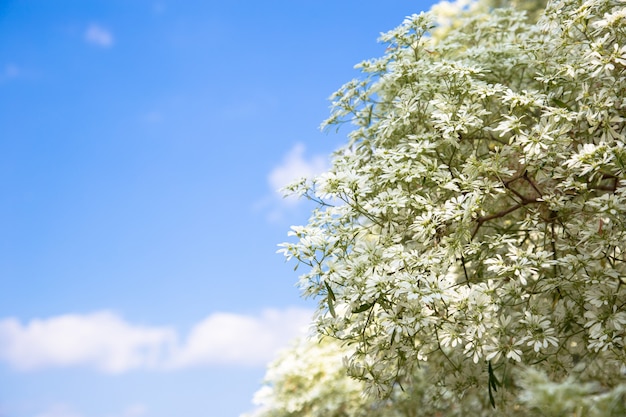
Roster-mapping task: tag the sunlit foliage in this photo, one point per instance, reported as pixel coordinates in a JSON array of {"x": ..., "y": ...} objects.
[{"x": 473, "y": 229}]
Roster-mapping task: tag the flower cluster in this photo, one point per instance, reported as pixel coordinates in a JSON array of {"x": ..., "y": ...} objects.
[
  {"x": 308, "y": 379},
  {"x": 475, "y": 221}
]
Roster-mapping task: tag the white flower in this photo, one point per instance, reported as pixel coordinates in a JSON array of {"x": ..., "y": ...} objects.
[{"x": 477, "y": 211}]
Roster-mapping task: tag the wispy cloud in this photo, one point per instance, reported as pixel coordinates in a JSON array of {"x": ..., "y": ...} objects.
[
  {"x": 158, "y": 7},
  {"x": 296, "y": 164},
  {"x": 65, "y": 410},
  {"x": 99, "y": 36},
  {"x": 101, "y": 339},
  {"x": 225, "y": 338},
  {"x": 10, "y": 72},
  {"x": 59, "y": 410},
  {"x": 152, "y": 117},
  {"x": 135, "y": 410},
  {"x": 105, "y": 341}
]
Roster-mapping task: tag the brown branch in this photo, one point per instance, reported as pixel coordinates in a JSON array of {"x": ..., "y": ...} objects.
[
  {"x": 532, "y": 183},
  {"x": 518, "y": 194},
  {"x": 523, "y": 200},
  {"x": 483, "y": 219},
  {"x": 465, "y": 270},
  {"x": 608, "y": 188}
]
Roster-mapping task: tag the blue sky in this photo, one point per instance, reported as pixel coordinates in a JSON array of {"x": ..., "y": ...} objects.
[{"x": 141, "y": 143}]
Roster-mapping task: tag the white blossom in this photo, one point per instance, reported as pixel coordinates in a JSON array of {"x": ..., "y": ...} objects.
[{"x": 474, "y": 225}]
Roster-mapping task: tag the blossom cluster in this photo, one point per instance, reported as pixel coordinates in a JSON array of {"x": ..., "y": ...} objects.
[
  {"x": 308, "y": 379},
  {"x": 475, "y": 222}
]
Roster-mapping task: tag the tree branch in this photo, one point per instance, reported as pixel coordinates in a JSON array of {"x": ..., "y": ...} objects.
[{"x": 483, "y": 219}]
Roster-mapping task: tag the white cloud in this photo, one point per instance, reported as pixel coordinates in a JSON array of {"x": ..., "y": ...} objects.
[
  {"x": 99, "y": 36},
  {"x": 64, "y": 410},
  {"x": 135, "y": 410},
  {"x": 294, "y": 166},
  {"x": 225, "y": 338},
  {"x": 105, "y": 341},
  {"x": 59, "y": 410},
  {"x": 101, "y": 339}
]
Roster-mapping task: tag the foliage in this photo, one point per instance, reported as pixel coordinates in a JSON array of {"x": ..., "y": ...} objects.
[
  {"x": 447, "y": 16},
  {"x": 474, "y": 225},
  {"x": 308, "y": 379}
]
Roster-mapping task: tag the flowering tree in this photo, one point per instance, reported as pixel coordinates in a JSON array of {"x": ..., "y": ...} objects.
[
  {"x": 475, "y": 223},
  {"x": 308, "y": 380}
]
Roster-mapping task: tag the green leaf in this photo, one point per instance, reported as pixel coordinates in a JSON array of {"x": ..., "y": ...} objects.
[
  {"x": 330, "y": 300},
  {"x": 493, "y": 380},
  {"x": 362, "y": 308},
  {"x": 331, "y": 307},
  {"x": 331, "y": 294},
  {"x": 492, "y": 384},
  {"x": 560, "y": 103}
]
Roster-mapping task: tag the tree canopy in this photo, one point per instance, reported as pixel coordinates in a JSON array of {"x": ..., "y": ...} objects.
[
  {"x": 473, "y": 228},
  {"x": 308, "y": 379}
]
